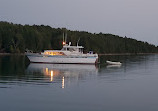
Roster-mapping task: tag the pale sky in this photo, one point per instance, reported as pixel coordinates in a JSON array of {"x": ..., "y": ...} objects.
[{"x": 136, "y": 19}]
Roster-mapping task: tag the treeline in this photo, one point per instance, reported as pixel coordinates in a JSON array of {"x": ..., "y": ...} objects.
[{"x": 16, "y": 38}]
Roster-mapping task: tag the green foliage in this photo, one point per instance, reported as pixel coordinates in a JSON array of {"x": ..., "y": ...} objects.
[{"x": 16, "y": 38}]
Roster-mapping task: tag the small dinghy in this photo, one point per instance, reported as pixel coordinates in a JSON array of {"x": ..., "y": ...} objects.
[
  {"x": 113, "y": 66},
  {"x": 113, "y": 63}
]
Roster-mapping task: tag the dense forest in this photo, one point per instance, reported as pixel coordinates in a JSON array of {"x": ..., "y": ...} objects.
[{"x": 16, "y": 38}]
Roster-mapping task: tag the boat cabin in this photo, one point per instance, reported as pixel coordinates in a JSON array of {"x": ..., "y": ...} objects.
[
  {"x": 72, "y": 48},
  {"x": 66, "y": 50}
]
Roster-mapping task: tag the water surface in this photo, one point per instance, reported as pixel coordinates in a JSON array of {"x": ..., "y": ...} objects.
[{"x": 46, "y": 87}]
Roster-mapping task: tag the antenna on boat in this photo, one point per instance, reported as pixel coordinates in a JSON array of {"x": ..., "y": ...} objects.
[
  {"x": 65, "y": 36},
  {"x": 78, "y": 41}
]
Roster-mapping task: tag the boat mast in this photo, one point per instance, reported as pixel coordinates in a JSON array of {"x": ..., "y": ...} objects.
[
  {"x": 78, "y": 41},
  {"x": 64, "y": 38}
]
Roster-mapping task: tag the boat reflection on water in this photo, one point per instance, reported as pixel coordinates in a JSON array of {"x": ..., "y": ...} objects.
[
  {"x": 114, "y": 66},
  {"x": 63, "y": 72}
]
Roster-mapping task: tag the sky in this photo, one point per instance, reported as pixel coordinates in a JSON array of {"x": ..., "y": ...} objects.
[{"x": 136, "y": 19}]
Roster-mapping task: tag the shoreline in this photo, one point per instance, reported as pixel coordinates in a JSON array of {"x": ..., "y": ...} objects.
[
  {"x": 12, "y": 54},
  {"x": 108, "y": 54}
]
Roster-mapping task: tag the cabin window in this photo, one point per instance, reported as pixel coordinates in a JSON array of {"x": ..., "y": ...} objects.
[
  {"x": 45, "y": 52},
  {"x": 90, "y": 52}
]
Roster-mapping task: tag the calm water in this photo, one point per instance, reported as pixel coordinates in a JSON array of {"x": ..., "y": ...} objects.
[{"x": 60, "y": 87}]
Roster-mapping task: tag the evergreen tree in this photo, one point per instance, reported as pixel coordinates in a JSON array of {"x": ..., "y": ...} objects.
[{"x": 15, "y": 38}]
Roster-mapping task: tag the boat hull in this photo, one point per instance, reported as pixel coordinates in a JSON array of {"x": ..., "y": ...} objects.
[
  {"x": 113, "y": 63},
  {"x": 62, "y": 60}
]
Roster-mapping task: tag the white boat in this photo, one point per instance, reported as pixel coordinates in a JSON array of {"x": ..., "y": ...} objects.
[
  {"x": 113, "y": 63},
  {"x": 67, "y": 55}
]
